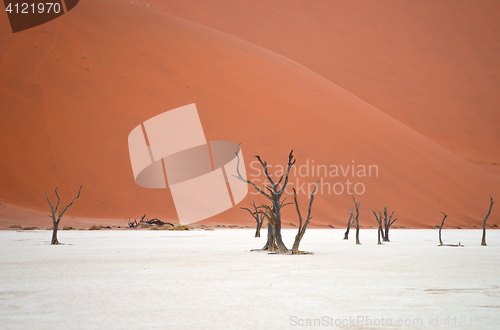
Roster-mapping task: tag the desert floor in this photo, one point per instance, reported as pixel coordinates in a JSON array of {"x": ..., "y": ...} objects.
[{"x": 210, "y": 280}]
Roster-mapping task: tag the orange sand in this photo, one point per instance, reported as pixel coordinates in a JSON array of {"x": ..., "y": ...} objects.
[{"x": 414, "y": 92}]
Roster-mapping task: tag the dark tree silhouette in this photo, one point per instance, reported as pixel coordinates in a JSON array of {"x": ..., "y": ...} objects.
[
  {"x": 349, "y": 225},
  {"x": 274, "y": 194},
  {"x": 385, "y": 220},
  {"x": 379, "y": 221},
  {"x": 440, "y": 241},
  {"x": 442, "y": 224},
  {"x": 356, "y": 217},
  {"x": 257, "y": 215},
  {"x": 302, "y": 224},
  {"x": 483, "y": 241},
  {"x": 56, "y": 217}
]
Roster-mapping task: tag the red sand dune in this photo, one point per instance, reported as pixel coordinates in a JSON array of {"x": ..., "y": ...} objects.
[
  {"x": 432, "y": 65},
  {"x": 71, "y": 91}
]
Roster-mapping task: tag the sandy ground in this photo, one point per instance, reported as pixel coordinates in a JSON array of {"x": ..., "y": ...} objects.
[{"x": 211, "y": 280}]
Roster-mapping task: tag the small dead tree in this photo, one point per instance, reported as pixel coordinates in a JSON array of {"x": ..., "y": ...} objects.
[
  {"x": 356, "y": 217},
  {"x": 257, "y": 215},
  {"x": 440, "y": 241},
  {"x": 442, "y": 224},
  {"x": 146, "y": 221},
  {"x": 349, "y": 225},
  {"x": 483, "y": 241},
  {"x": 56, "y": 217},
  {"x": 380, "y": 232},
  {"x": 274, "y": 194},
  {"x": 388, "y": 222},
  {"x": 302, "y": 224}
]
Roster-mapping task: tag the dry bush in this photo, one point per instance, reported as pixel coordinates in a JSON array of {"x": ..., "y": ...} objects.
[
  {"x": 15, "y": 226},
  {"x": 331, "y": 226},
  {"x": 94, "y": 227},
  {"x": 30, "y": 228},
  {"x": 68, "y": 228},
  {"x": 180, "y": 227}
]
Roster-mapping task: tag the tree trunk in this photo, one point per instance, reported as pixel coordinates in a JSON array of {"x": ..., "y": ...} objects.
[
  {"x": 54, "y": 240},
  {"x": 378, "y": 231},
  {"x": 271, "y": 241},
  {"x": 442, "y": 224},
  {"x": 257, "y": 231},
  {"x": 386, "y": 236},
  {"x": 483, "y": 241},
  {"x": 346, "y": 235},
  {"x": 349, "y": 224},
  {"x": 279, "y": 241},
  {"x": 298, "y": 238},
  {"x": 357, "y": 234}
]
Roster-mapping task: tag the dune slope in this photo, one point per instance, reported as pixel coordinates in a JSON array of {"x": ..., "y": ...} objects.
[
  {"x": 74, "y": 88},
  {"x": 433, "y": 65}
]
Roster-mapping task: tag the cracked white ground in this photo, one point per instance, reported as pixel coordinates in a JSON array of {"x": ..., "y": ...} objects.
[{"x": 210, "y": 280}]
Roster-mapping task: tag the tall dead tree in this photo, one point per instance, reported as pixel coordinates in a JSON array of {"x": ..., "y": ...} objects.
[
  {"x": 442, "y": 224},
  {"x": 349, "y": 225},
  {"x": 483, "y": 241},
  {"x": 302, "y": 224},
  {"x": 56, "y": 217},
  {"x": 274, "y": 194},
  {"x": 257, "y": 215},
  {"x": 356, "y": 217}
]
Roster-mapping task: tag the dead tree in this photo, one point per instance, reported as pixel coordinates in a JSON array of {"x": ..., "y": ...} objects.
[
  {"x": 274, "y": 193},
  {"x": 483, "y": 241},
  {"x": 385, "y": 222},
  {"x": 356, "y": 217},
  {"x": 442, "y": 224},
  {"x": 379, "y": 221},
  {"x": 154, "y": 221},
  {"x": 302, "y": 224},
  {"x": 388, "y": 222},
  {"x": 440, "y": 241},
  {"x": 257, "y": 215},
  {"x": 349, "y": 225},
  {"x": 57, "y": 219}
]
